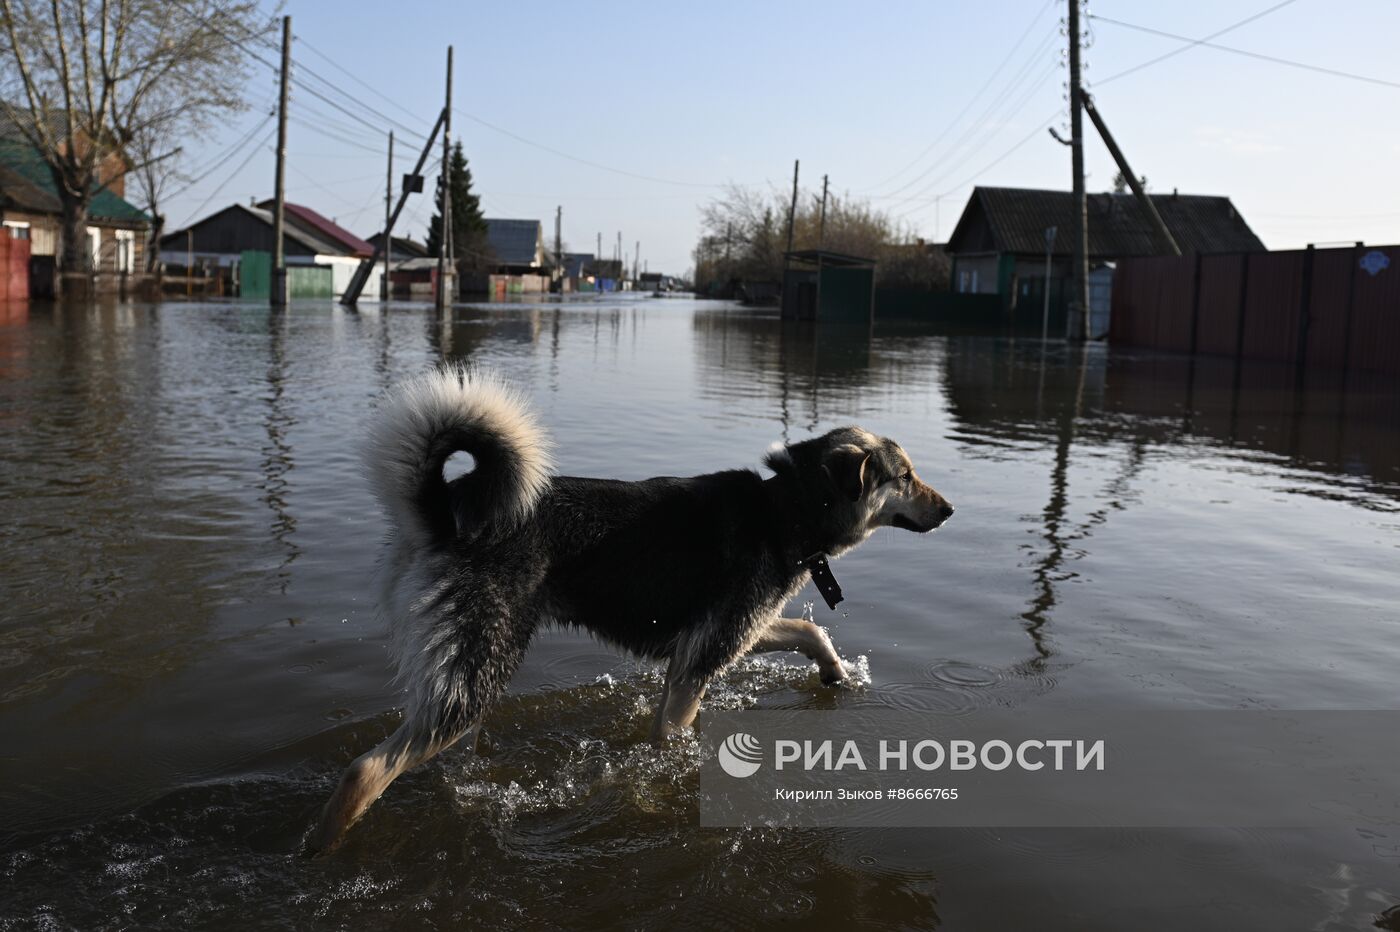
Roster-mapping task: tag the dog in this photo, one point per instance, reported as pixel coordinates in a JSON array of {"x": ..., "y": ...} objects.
[{"x": 690, "y": 571}]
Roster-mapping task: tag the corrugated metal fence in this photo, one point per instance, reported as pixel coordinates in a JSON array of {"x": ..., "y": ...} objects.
[
  {"x": 14, "y": 268},
  {"x": 1319, "y": 308}
]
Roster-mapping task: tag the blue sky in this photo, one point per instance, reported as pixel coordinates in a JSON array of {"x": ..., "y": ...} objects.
[{"x": 909, "y": 104}]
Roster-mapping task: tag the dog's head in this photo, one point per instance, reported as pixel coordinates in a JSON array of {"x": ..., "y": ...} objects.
[{"x": 868, "y": 482}]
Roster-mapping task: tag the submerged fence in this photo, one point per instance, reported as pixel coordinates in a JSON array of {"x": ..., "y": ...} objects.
[{"x": 1318, "y": 308}]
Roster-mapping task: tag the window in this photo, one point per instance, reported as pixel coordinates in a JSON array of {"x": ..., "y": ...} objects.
[
  {"x": 17, "y": 229},
  {"x": 94, "y": 236},
  {"x": 126, "y": 251}
]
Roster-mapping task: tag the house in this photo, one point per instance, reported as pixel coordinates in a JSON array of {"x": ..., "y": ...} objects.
[
  {"x": 517, "y": 248},
  {"x": 517, "y": 245},
  {"x": 31, "y": 212},
  {"x": 222, "y": 239},
  {"x": 404, "y": 247},
  {"x": 349, "y": 248},
  {"x": 998, "y": 246}
]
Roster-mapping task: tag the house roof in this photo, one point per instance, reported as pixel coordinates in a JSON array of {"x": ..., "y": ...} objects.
[
  {"x": 25, "y": 182},
  {"x": 403, "y": 245},
  {"x": 827, "y": 257},
  {"x": 515, "y": 242},
  {"x": 322, "y": 228},
  {"x": 1014, "y": 220},
  {"x": 175, "y": 239},
  {"x": 577, "y": 263}
]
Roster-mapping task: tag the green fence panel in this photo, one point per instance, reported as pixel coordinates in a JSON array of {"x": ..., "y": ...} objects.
[{"x": 255, "y": 274}]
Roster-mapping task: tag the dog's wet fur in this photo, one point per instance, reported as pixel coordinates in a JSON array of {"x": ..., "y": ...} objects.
[{"x": 691, "y": 571}]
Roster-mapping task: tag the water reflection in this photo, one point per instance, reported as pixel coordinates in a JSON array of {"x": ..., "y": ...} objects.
[{"x": 180, "y": 480}]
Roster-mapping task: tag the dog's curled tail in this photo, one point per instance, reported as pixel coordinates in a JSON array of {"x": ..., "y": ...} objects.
[{"x": 426, "y": 419}]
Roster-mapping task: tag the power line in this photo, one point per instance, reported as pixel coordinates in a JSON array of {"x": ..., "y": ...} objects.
[
  {"x": 1186, "y": 48},
  {"x": 991, "y": 79},
  {"x": 304, "y": 86},
  {"x": 241, "y": 165},
  {"x": 228, "y": 154},
  {"x": 582, "y": 161},
  {"x": 1256, "y": 55},
  {"x": 1011, "y": 87},
  {"x": 949, "y": 169},
  {"x": 358, "y": 80}
]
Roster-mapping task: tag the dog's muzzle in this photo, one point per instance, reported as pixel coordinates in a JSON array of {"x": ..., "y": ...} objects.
[{"x": 943, "y": 513}]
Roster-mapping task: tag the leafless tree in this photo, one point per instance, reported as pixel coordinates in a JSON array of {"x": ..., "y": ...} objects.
[{"x": 93, "y": 85}]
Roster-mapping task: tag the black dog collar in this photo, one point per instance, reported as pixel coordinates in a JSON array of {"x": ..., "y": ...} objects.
[{"x": 826, "y": 583}]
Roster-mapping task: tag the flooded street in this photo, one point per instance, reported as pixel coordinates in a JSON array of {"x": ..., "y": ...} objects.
[{"x": 190, "y": 654}]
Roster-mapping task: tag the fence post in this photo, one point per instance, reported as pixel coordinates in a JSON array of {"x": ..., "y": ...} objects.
[
  {"x": 1244, "y": 298},
  {"x": 1196, "y": 305},
  {"x": 1351, "y": 300},
  {"x": 1305, "y": 310}
]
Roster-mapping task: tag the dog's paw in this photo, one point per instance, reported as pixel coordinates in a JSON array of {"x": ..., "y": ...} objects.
[{"x": 832, "y": 673}]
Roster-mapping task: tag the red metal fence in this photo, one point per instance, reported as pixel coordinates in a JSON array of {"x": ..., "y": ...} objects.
[
  {"x": 1319, "y": 308},
  {"x": 14, "y": 268}
]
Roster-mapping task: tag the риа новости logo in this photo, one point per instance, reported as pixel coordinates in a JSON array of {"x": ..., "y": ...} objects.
[{"x": 740, "y": 755}]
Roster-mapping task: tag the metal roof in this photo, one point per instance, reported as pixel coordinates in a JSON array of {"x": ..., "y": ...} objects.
[
  {"x": 174, "y": 239},
  {"x": 27, "y": 183},
  {"x": 344, "y": 242},
  {"x": 515, "y": 242},
  {"x": 826, "y": 257},
  {"x": 1014, "y": 220}
]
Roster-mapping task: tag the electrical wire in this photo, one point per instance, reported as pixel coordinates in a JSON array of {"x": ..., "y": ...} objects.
[
  {"x": 1012, "y": 86},
  {"x": 241, "y": 165},
  {"x": 991, "y": 79},
  {"x": 1255, "y": 55},
  {"x": 1186, "y": 48}
]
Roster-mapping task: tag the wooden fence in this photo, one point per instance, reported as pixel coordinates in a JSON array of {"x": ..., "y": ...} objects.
[{"x": 1318, "y": 308}]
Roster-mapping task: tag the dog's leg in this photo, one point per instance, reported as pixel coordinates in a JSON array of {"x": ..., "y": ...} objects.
[
  {"x": 680, "y": 700},
  {"x": 370, "y": 775},
  {"x": 807, "y": 639}
]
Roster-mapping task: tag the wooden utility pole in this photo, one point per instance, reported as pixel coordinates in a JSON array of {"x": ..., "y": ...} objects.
[
  {"x": 821, "y": 228},
  {"x": 1078, "y": 323},
  {"x": 559, "y": 245},
  {"x": 444, "y": 264},
  {"x": 792, "y": 211},
  {"x": 621, "y": 273},
  {"x": 1149, "y": 208},
  {"x": 278, "y": 295},
  {"x": 598, "y": 259},
  {"x": 637, "y": 261},
  {"x": 388, "y": 218}
]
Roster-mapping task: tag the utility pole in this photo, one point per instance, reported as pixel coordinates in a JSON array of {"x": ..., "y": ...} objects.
[
  {"x": 388, "y": 217},
  {"x": 792, "y": 211},
  {"x": 621, "y": 273},
  {"x": 1078, "y": 323},
  {"x": 559, "y": 245},
  {"x": 1148, "y": 208},
  {"x": 444, "y": 270},
  {"x": 279, "y": 258},
  {"x": 637, "y": 261},
  {"x": 599, "y": 256},
  {"x": 821, "y": 229}
]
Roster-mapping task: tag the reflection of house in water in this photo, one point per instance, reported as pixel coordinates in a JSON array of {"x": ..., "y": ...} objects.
[{"x": 1002, "y": 392}]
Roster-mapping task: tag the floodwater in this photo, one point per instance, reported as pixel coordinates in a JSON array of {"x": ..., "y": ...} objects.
[{"x": 189, "y": 653}]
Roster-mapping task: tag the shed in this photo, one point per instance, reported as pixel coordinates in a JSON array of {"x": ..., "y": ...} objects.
[{"x": 828, "y": 286}]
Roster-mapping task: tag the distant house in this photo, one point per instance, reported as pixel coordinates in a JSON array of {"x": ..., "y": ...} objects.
[
  {"x": 220, "y": 240},
  {"x": 404, "y": 247},
  {"x": 518, "y": 246},
  {"x": 998, "y": 245},
  {"x": 116, "y": 230}
]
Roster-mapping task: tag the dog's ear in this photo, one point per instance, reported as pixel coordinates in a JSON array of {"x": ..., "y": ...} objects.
[{"x": 845, "y": 466}]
